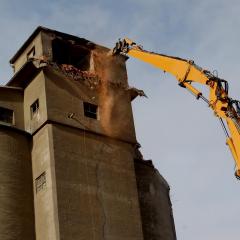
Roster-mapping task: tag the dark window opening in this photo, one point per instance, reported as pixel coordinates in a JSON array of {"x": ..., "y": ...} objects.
[
  {"x": 90, "y": 110},
  {"x": 6, "y": 115},
  {"x": 34, "y": 108},
  {"x": 64, "y": 52},
  {"x": 40, "y": 182},
  {"x": 31, "y": 53}
]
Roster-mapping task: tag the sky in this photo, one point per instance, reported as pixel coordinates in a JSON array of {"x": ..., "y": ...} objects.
[{"x": 179, "y": 133}]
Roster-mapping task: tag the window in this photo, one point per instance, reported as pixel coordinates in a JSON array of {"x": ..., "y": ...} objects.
[
  {"x": 34, "y": 108},
  {"x": 31, "y": 53},
  {"x": 90, "y": 110},
  {"x": 40, "y": 182},
  {"x": 6, "y": 115}
]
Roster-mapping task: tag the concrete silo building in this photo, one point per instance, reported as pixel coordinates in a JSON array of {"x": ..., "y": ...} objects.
[{"x": 69, "y": 159}]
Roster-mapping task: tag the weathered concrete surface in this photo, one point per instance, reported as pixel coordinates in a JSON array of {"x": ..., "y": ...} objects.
[
  {"x": 12, "y": 98},
  {"x": 45, "y": 201},
  {"x": 90, "y": 186},
  {"x": 36, "y": 43},
  {"x": 64, "y": 96},
  {"x": 16, "y": 194},
  {"x": 155, "y": 204},
  {"x": 96, "y": 187},
  {"x": 35, "y": 90}
]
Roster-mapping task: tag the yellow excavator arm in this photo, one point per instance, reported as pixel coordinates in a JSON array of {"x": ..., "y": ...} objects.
[{"x": 187, "y": 73}]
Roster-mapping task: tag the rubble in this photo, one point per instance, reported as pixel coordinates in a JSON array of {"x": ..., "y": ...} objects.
[
  {"x": 134, "y": 92},
  {"x": 89, "y": 78}
]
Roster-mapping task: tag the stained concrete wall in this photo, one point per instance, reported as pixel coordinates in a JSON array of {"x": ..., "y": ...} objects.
[
  {"x": 45, "y": 200},
  {"x": 35, "y": 90},
  {"x": 16, "y": 195},
  {"x": 90, "y": 190},
  {"x": 12, "y": 98},
  {"x": 47, "y": 44},
  {"x": 96, "y": 187},
  {"x": 64, "y": 96},
  {"x": 155, "y": 204}
]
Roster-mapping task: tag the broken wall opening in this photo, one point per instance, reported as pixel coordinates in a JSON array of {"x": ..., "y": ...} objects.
[{"x": 65, "y": 52}]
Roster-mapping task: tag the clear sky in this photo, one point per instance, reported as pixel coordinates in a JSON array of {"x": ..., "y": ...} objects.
[{"x": 178, "y": 133}]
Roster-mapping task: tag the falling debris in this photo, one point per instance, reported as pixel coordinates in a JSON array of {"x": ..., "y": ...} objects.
[
  {"x": 78, "y": 74},
  {"x": 134, "y": 92}
]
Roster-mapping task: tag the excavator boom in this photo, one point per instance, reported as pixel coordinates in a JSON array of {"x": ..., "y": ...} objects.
[{"x": 187, "y": 73}]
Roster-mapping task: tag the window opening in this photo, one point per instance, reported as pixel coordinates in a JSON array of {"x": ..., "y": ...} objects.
[
  {"x": 31, "y": 53},
  {"x": 6, "y": 115},
  {"x": 34, "y": 108},
  {"x": 40, "y": 182},
  {"x": 90, "y": 110}
]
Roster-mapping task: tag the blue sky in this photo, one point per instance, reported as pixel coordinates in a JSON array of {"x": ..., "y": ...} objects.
[{"x": 180, "y": 134}]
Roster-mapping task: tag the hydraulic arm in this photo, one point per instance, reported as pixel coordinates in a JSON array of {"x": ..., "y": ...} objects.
[{"x": 187, "y": 73}]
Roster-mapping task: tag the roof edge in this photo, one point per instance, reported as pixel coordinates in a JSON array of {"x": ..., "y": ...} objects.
[
  {"x": 14, "y": 129},
  {"x": 21, "y": 49},
  {"x": 11, "y": 88},
  {"x": 44, "y": 29},
  {"x": 19, "y": 79}
]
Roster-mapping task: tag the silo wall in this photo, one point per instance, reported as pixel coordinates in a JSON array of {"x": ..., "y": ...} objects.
[
  {"x": 16, "y": 191},
  {"x": 155, "y": 204}
]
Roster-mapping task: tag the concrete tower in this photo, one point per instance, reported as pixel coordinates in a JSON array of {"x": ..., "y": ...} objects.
[{"x": 70, "y": 163}]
